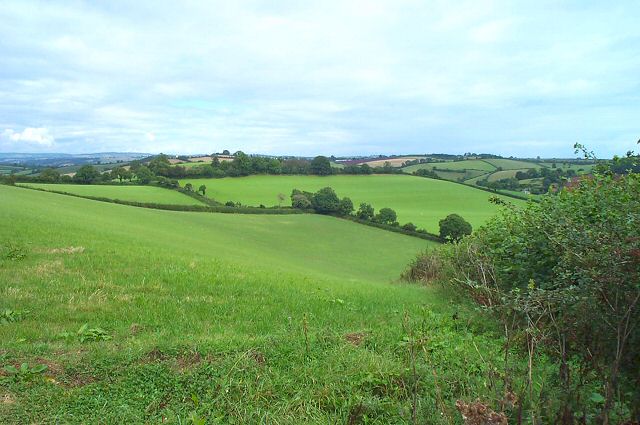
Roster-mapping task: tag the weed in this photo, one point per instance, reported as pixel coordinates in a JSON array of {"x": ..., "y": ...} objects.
[
  {"x": 86, "y": 334},
  {"x": 25, "y": 372},
  {"x": 10, "y": 316},
  {"x": 13, "y": 251}
]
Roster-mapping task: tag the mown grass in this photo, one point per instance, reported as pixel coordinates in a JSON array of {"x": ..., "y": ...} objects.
[
  {"x": 231, "y": 318},
  {"x": 421, "y": 201},
  {"x": 149, "y": 194}
]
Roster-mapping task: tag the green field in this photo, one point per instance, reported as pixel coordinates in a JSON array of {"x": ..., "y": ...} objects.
[
  {"x": 505, "y": 174},
  {"x": 259, "y": 319},
  {"x": 421, "y": 201},
  {"x": 471, "y": 164},
  {"x": 150, "y": 194},
  {"x": 511, "y": 164}
]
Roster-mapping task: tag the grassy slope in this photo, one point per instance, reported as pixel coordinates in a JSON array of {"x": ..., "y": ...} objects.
[
  {"x": 215, "y": 306},
  {"x": 419, "y": 200},
  {"x": 124, "y": 193},
  {"x": 510, "y": 164},
  {"x": 472, "y": 164}
]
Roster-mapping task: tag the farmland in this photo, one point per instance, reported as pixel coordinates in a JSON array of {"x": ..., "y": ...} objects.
[
  {"x": 149, "y": 194},
  {"x": 225, "y": 317},
  {"x": 421, "y": 201}
]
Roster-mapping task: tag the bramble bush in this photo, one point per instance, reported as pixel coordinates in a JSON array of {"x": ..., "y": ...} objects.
[{"x": 564, "y": 277}]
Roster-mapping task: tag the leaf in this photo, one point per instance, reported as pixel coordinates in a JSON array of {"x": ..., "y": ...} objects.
[
  {"x": 39, "y": 368},
  {"x": 597, "y": 398},
  {"x": 11, "y": 370}
]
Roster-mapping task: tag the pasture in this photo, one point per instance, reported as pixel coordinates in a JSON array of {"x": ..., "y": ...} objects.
[
  {"x": 470, "y": 164},
  {"x": 149, "y": 194},
  {"x": 227, "y": 318},
  {"x": 418, "y": 200}
]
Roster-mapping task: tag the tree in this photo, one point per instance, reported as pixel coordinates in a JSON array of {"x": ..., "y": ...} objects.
[
  {"x": 345, "y": 207},
  {"x": 300, "y": 201},
  {"x": 144, "y": 174},
  {"x": 50, "y": 175},
  {"x": 87, "y": 174},
  {"x": 202, "y": 189},
  {"x": 325, "y": 201},
  {"x": 409, "y": 226},
  {"x": 321, "y": 166},
  {"x": 226, "y": 152},
  {"x": 386, "y": 216},
  {"x": 365, "y": 212},
  {"x": 281, "y": 198},
  {"x": 188, "y": 187},
  {"x": 453, "y": 228}
]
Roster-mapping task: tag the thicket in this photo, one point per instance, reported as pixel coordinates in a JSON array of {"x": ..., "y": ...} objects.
[{"x": 563, "y": 276}]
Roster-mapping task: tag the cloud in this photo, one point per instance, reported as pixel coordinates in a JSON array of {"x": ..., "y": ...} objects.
[
  {"x": 30, "y": 136},
  {"x": 342, "y": 77}
]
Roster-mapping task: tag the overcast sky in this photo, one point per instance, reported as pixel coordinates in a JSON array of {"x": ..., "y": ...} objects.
[{"x": 325, "y": 77}]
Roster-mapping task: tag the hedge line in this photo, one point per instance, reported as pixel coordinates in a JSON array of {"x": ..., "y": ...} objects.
[
  {"x": 397, "y": 229},
  {"x": 170, "y": 207}
]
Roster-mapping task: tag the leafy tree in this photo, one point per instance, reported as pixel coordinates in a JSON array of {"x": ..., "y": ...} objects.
[
  {"x": 300, "y": 201},
  {"x": 386, "y": 216},
  {"x": 325, "y": 201},
  {"x": 87, "y": 174},
  {"x": 321, "y": 166},
  {"x": 453, "y": 228},
  {"x": 365, "y": 212},
  {"x": 345, "y": 207},
  {"x": 226, "y": 152},
  {"x": 144, "y": 174},
  {"x": 409, "y": 226},
  {"x": 202, "y": 189},
  {"x": 188, "y": 187},
  {"x": 50, "y": 175}
]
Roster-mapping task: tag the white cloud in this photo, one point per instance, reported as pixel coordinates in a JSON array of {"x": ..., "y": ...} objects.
[
  {"x": 150, "y": 136},
  {"x": 39, "y": 136}
]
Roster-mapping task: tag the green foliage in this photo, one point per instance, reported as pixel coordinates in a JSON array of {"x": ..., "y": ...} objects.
[
  {"x": 86, "y": 174},
  {"x": 409, "y": 226},
  {"x": 12, "y": 251},
  {"x": 86, "y": 334},
  {"x": 11, "y": 316},
  {"x": 564, "y": 271},
  {"x": 25, "y": 372},
  {"x": 202, "y": 189},
  {"x": 325, "y": 201},
  {"x": 365, "y": 212},
  {"x": 188, "y": 187},
  {"x": 386, "y": 216},
  {"x": 321, "y": 166},
  {"x": 453, "y": 228},
  {"x": 144, "y": 175},
  {"x": 345, "y": 207}
]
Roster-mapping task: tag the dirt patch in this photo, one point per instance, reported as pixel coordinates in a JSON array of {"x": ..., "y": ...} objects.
[
  {"x": 188, "y": 360},
  {"x": 67, "y": 250},
  {"x": 7, "y": 399},
  {"x": 135, "y": 328},
  {"x": 257, "y": 357},
  {"x": 355, "y": 338},
  {"x": 48, "y": 267},
  {"x": 478, "y": 413}
]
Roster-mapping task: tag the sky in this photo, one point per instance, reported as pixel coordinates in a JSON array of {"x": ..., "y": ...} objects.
[{"x": 515, "y": 78}]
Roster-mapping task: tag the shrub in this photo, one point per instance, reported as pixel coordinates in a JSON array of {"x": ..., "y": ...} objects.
[
  {"x": 386, "y": 216},
  {"x": 325, "y": 201},
  {"x": 565, "y": 273},
  {"x": 365, "y": 212},
  {"x": 345, "y": 207},
  {"x": 453, "y": 228},
  {"x": 409, "y": 226}
]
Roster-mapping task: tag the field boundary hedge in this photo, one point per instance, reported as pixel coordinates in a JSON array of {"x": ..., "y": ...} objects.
[
  {"x": 172, "y": 207},
  {"x": 397, "y": 229}
]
